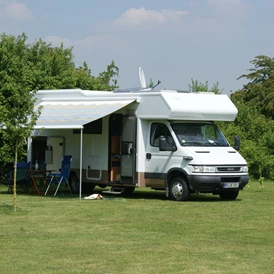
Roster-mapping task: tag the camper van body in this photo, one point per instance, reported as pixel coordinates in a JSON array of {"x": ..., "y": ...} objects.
[{"x": 162, "y": 139}]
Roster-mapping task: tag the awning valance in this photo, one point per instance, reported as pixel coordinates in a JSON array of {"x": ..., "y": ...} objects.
[{"x": 75, "y": 114}]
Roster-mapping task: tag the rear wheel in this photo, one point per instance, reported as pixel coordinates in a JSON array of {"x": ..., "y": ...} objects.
[
  {"x": 179, "y": 190},
  {"x": 74, "y": 183},
  {"x": 229, "y": 194},
  {"x": 88, "y": 188}
]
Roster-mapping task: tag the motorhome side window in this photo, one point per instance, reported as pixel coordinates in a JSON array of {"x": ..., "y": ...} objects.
[
  {"x": 157, "y": 130},
  {"x": 94, "y": 127}
]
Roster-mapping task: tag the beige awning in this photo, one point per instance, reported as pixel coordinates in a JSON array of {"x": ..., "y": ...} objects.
[{"x": 75, "y": 114}]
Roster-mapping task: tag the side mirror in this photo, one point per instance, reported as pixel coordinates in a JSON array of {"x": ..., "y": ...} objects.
[
  {"x": 163, "y": 145},
  {"x": 237, "y": 142}
]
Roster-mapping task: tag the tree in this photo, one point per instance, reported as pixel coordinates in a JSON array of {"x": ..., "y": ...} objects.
[
  {"x": 254, "y": 122},
  {"x": 54, "y": 68},
  {"x": 203, "y": 87},
  {"x": 259, "y": 92},
  {"x": 257, "y": 138},
  {"x": 45, "y": 67},
  {"x": 105, "y": 80},
  {"x": 256, "y": 103},
  {"x": 16, "y": 101},
  {"x": 26, "y": 68}
]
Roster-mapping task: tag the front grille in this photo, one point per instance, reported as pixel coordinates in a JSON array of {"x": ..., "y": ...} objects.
[
  {"x": 228, "y": 169},
  {"x": 230, "y": 179},
  {"x": 204, "y": 186}
]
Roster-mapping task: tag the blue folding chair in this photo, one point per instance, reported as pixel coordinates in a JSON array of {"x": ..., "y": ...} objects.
[
  {"x": 22, "y": 177},
  {"x": 62, "y": 177}
]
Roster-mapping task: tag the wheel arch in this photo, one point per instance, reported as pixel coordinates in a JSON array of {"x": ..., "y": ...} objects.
[{"x": 74, "y": 182}]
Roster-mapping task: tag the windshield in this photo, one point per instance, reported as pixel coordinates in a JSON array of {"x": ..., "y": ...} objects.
[{"x": 199, "y": 134}]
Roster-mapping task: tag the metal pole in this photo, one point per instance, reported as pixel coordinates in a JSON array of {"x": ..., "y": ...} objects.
[{"x": 81, "y": 156}]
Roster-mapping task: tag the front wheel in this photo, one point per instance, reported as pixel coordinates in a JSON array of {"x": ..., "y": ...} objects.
[
  {"x": 229, "y": 194},
  {"x": 179, "y": 190}
]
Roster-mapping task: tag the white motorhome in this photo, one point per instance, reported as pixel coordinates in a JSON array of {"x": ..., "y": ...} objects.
[{"x": 162, "y": 139}]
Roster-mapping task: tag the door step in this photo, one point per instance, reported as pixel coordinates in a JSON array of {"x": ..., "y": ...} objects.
[{"x": 115, "y": 190}]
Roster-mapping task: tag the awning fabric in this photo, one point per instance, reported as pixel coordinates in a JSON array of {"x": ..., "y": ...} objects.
[{"x": 75, "y": 114}]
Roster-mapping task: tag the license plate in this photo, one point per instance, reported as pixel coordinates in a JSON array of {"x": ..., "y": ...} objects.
[{"x": 231, "y": 185}]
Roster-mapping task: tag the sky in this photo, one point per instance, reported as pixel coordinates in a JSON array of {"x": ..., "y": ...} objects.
[{"x": 173, "y": 41}]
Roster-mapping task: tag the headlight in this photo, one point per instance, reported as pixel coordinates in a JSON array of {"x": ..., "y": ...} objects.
[
  {"x": 244, "y": 169},
  {"x": 203, "y": 169}
]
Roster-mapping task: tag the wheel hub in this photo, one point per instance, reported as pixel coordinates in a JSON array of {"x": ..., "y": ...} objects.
[{"x": 177, "y": 190}]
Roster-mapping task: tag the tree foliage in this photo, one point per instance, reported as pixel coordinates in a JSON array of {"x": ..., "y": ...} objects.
[
  {"x": 257, "y": 138},
  {"x": 105, "y": 81},
  {"x": 197, "y": 86},
  {"x": 16, "y": 101},
  {"x": 254, "y": 123},
  {"x": 26, "y": 68},
  {"x": 259, "y": 92}
]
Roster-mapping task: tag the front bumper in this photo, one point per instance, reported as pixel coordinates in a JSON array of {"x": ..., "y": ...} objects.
[{"x": 215, "y": 184}]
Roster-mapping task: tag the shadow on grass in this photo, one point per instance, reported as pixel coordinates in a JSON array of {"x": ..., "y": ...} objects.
[
  {"x": 208, "y": 198},
  {"x": 137, "y": 194},
  {"x": 3, "y": 192},
  {"x": 160, "y": 195},
  {"x": 8, "y": 209},
  {"x": 61, "y": 194}
]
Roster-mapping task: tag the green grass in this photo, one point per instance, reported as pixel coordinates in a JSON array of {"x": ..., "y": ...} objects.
[{"x": 144, "y": 233}]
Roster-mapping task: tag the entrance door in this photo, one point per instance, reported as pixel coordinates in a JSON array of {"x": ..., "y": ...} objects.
[
  {"x": 128, "y": 156},
  {"x": 39, "y": 146},
  {"x": 48, "y": 152},
  {"x": 54, "y": 152},
  {"x": 115, "y": 129}
]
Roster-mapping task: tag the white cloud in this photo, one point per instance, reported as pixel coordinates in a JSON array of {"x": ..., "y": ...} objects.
[
  {"x": 188, "y": 28},
  {"x": 233, "y": 8},
  {"x": 143, "y": 17},
  {"x": 18, "y": 11}
]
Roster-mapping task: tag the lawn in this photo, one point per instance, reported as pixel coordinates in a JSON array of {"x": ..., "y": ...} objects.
[{"x": 143, "y": 233}]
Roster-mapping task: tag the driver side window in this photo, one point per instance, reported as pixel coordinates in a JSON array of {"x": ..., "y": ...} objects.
[{"x": 157, "y": 130}]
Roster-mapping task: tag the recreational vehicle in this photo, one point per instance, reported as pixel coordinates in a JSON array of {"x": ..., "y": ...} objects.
[{"x": 161, "y": 139}]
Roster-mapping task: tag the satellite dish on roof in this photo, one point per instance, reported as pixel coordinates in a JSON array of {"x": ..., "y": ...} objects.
[{"x": 142, "y": 78}]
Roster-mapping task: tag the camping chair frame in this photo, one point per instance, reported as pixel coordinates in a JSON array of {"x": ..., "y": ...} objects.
[
  {"x": 62, "y": 177},
  {"x": 22, "y": 177}
]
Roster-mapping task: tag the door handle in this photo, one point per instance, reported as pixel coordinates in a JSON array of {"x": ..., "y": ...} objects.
[
  {"x": 148, "y": 156},
  {"x": 130, "y": 150}
]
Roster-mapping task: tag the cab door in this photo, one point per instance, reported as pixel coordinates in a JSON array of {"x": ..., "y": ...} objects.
[{"x": 159, "y": 162}]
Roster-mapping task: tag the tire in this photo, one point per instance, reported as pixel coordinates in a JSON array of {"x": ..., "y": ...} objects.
[
  {"x": 88, "y": 188},
  {"x": 229, "y": 194},
  {"x": 178, "y": 189},
  {"x": 74, "y": 184},
  {"x": 128, "y": 191}
]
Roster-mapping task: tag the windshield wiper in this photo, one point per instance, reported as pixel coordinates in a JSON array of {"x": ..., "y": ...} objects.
[{"x": 193, "y": 143}]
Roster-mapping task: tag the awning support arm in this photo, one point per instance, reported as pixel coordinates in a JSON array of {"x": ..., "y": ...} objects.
[{"x": 81, "y": 163}]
